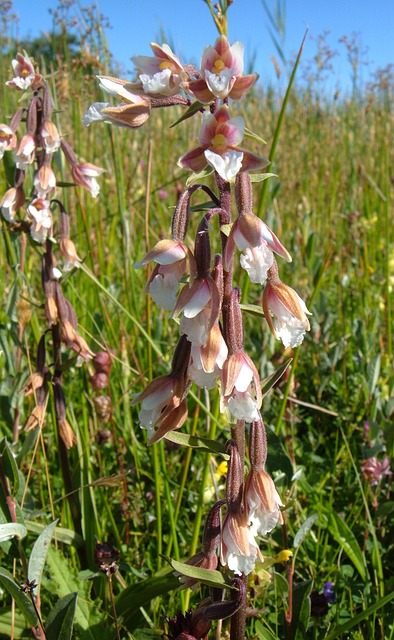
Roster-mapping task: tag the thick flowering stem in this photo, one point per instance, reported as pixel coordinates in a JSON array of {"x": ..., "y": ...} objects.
[
  {"x": 238, "y": 620},
  {"x": 225, "y": 219}
]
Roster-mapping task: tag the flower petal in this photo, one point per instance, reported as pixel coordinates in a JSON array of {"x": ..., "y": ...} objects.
[{"x": 227, "y": 165}]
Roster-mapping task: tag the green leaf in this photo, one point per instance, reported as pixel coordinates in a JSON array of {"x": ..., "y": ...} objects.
[
  {"x": 260, "y": 177},
  {"x": 10, "y": 466},
  {"x": 147, "y": 634},
  {"x": 268, "y": 383},
  {"x": 301, "y": 610},
  {"x": 190, "y": 111},
  {"x": 10, "y": 530},
  {"x": 346, "y": 538},
  {"x": 38, "y": 555},
  {"x": 254, "y": 309},
  {"x": 89, "y": 620},
  {"x": 304, "y": 530},
  {"x": 196, "y": 442},
  {"x": 60, "y": 621},
  {"x": 209, "y": 577},
  {"x": 129, "y": 602},
  {"x": 226, "y": 228},
  {"x": 254, "y": 136},
  {"x": 66, "y": 536},
  {"x": 22, "y": 600},
  {"x": 373, "y": 371},
  {"x": 262, "y": 633},
  {"x": 343, "y": 628},
  {"x": 197, "y": 177},
  {"x": 277, "y": 456},
  {"x": 9, "y": 617}
]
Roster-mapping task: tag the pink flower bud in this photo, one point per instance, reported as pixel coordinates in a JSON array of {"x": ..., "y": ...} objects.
[{"x": 99, "y": 381}]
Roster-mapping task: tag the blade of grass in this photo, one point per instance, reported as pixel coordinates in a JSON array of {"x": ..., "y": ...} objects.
[{"x": 278, "y": 127}]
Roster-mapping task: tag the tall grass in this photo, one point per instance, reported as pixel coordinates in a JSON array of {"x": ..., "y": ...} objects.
[{"x": 332, "y": 206}]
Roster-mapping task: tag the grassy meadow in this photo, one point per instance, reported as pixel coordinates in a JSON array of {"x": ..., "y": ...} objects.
[{"x": 332, "y": 206}]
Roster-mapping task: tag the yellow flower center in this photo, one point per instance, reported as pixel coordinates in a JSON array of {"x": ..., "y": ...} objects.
[
  {"x": 166, "y": 64},
  {"x": 219, "y": 141},
  {"x": 219, "y": 66}
]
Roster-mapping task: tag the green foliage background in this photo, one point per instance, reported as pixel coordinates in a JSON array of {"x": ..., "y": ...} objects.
[{"x": 331, "y": 205}]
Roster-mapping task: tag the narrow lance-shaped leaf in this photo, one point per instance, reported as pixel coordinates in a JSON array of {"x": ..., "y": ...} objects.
[
  {"x": 11, "y": 530},
  {"x": 304, "y": 530},
  {"x": 346, "y": 538},
  {"x": 60, "y": 621},
  {"x": 209, "y": 577},
  {"x": 260, "y": 177},
  {"x": 196, "y": 442},
  {"x": 38, "y": 555},
  {"x": 301, "y": 610},
  {"x": 10, "y": 466},
  {"x": 269, "y": 382},
  {"x": 22, "y": 600},
  {"x": 194, "y": 108}
]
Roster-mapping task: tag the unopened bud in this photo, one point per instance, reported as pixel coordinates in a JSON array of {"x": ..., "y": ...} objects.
[
  {"x": 103, "y": 406},
  {"x": 36, "y": 417},
  {"x": 23, "y": 309},
  {"x": 99, "y": 381},
  {"x": 104, "y": 436},
  {"x": 66, "y": 433},
  {"x": 102, "y": 362}
]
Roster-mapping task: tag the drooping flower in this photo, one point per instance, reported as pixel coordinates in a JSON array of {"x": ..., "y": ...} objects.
[
  {"x": 288, "y": 321},
  {"x": 207, "y": 361},
  {"x": 133, "y": 111},
  {"x": 221, "y": 73},
  {"x": 200, "y": 304},
  {"x": 11, "y": 202},
  {"x": 85, "y": 174},
  {"x": 44, "y": 181},
  {"x": 159, "y": 76},
  {"x": 7, "y": 139},
  {"x": 174, "y": 260},
  {"x": 241, "y": 387},
  {"x": 163, "y": 401},
  {"x": 262, "y": 502},
  {"x": 252, "y": 236},
  {"x": 219, "y": 138},
  {"x": 41, "y": 216},
  {"x": 26, "y": 152},
  {"x": 239, "y": 549},
  {"x": 50, "y": 136},
  {"x": 24, "y": 74}
]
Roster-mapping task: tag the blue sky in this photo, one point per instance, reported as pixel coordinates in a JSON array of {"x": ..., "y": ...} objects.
[{"x": 135, "y": 23}]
